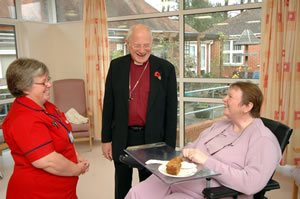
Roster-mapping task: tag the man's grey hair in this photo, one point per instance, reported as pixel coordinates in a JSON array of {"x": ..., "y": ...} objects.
[{"x": 132, "y": 29}]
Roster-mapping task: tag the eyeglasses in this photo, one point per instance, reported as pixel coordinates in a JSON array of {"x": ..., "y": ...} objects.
[
  {"x": 45, "y": 83},
  {"x": 140, "y": 46}
]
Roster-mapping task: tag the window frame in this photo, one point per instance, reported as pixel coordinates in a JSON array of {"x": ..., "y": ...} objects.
[{"x": 181, "y": 80}]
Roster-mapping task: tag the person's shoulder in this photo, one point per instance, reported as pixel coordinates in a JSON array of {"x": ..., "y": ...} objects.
[
  {"x": 120, "y": 59},
  {"x": 50, "y": 106},
  {"x": 259, "y": 130},
  {"x": 18, "y": 114}
]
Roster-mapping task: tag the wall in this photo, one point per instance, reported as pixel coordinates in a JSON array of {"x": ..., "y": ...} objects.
[
  {"x": 33, "y": 40},
  {"x": 68, "y": 50},
  {"x": 59, "y": 46}
]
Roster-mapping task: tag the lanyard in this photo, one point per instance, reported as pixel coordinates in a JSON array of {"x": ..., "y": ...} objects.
[{"x": 55, "y": 118}]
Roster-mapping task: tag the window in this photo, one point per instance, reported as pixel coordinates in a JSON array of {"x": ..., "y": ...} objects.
[
  {"x": 165, "y": 38},
  {"x": 7, "y": 9},
  {"x": 8, "y": 53},
  {"x": 201, "y": 38},
  {"x": 218, "y": 34},
  {"x": 35, "y": 10},
  {"x": 8, "y": 50},
  {"x": 192, "y": 4},
  {"x": 232, "y": 53},
  {"x": 69, "y": 10},
  {"x": 210, "y": 57},
  {"x": 139, "y": 7}
]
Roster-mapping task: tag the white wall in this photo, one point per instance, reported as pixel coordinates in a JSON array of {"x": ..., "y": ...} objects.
[
  {"x": 68, "y": 50},
  {"x": 59, "y": 46},
  {"x": 33, "y": 40}
]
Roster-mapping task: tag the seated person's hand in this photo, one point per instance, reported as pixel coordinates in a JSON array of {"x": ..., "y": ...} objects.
[{"x": 195, "y": 155}]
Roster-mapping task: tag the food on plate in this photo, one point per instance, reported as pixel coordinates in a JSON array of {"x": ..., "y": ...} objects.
[{"x": 174, "y": 165}]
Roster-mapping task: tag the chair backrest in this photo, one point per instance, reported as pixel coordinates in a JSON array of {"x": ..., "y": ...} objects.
[
  {"x": 70, "y": 93},
  {"x": 281, "y": 131},
  {"x": 283, "y": 134}
]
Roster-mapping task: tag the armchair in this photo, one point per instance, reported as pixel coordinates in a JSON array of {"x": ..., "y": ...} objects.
[
  {"x": 70, "y": 93},
  {"x": 282, "y": 133}
]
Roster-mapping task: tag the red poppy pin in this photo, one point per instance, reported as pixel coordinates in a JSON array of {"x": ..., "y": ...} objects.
[{"x": 157, "y": 74}]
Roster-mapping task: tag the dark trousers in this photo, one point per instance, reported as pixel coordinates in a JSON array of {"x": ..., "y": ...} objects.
[{"x": 123, "y": 173}]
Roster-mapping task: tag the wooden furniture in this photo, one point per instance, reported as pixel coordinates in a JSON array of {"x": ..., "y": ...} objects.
[{"x": 2, "y": 147}]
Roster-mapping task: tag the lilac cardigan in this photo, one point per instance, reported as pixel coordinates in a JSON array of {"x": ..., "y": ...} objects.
[
  {"x": 248, "y": 163},
  {"x": 245, "y": 165}
]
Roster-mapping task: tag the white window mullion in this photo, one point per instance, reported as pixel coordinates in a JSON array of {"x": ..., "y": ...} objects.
[
  {"x": 231, "y": 52},
  {"x": 19, "y": 10},
  {"x": 181, "y": 74},
  {"x": 52, "y": 11}
]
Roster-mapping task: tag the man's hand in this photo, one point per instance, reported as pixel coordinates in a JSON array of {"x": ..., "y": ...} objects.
[{"x": 107, "y": 150}]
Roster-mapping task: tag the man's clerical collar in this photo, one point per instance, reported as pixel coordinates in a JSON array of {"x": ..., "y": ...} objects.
[{"x": 136, "y": 63}]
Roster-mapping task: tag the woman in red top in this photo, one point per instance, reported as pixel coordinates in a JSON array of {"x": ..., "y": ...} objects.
[{"x": 39, "y": 137}]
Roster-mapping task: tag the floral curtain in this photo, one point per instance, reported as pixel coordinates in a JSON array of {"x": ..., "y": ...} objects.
[
  {"x": 280, "y": 71},
  {"x": 96, "y": 59}
]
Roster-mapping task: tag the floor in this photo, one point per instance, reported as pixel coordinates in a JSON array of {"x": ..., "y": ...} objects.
[{"x": 99, "y": 181}]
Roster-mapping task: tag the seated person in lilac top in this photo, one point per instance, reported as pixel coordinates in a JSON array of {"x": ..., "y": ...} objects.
[{"x": 240, "y": 148}]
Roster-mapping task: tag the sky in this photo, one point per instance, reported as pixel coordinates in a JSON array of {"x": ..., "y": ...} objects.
[{"x": 158, "y": 5}]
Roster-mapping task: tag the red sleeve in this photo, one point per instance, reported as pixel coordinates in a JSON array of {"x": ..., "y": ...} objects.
[{"x": 33, "y": 137}]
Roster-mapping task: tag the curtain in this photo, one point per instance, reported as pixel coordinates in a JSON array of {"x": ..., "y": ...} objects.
[
  {"x": 280, "y": 68},
  {"x": 96, "y": 59}
]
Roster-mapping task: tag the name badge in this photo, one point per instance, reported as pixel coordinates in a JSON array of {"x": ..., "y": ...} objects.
[{"x": 71, "y": 136}]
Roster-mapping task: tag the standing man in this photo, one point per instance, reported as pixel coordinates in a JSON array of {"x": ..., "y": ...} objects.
[{"x": 140, "y": 104}]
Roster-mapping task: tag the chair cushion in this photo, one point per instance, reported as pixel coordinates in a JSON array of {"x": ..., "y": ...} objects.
[
  {"x": 80, "y": 127},
  {"x": 81, "y": 134},
  {"x": 75, "y": 118}
]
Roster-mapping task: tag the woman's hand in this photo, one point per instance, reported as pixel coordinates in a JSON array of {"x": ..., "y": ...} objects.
[
  {"x": 57, "y": 164},
  {"x": 81, "y": 159},
  {"x": 85, "y": 163},
  {"x": 195, "y": 155},
  {"x": 83, "y": 166}
]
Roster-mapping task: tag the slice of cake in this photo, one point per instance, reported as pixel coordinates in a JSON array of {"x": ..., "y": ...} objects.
[{"x": 174, "y": 165}]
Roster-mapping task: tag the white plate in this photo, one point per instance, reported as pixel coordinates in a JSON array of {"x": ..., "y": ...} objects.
[
  {"x": 188, "y": 165},
  {"x": 184, "y": 164},
  {"x": 182, "y": 173}
]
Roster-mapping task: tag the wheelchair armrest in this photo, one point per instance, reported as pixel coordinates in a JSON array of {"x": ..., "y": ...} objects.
[
  {"x": 272, "y": 184},
  {"x": 222, "y": 191},
  {"x": 128, "y": 160},
  {"x": 219, "y": 192}
]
